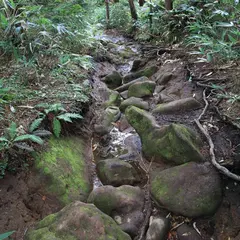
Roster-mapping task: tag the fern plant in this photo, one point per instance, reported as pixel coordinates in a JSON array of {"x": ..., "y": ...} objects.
[
  {"x": 11, "y": 142},
  {"x": 13, "y": 137},
  {"x": 55, "y": 114}
]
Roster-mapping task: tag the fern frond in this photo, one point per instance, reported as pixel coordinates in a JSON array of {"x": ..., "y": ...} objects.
[
  {"x": 70, "y": 115},
  {"x": 31, "y": 137},
  {"x": 3, "y": 139},
  {"x": 42, "y": 133},
  {"x": 56, "y": 127},
  {"x": 24, "y": 146},
  {"x": 35, "y": 124},
  {"x": 12, "y": 130}
]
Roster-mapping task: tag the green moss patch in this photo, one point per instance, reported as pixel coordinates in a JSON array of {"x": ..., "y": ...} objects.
[{"x": 65, "y": 167}]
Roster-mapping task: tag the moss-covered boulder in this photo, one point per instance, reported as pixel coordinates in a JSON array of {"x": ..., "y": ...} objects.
[
  {"x": 77, "y": 221},
  {"x": 142, "y": 89},
  {"x": 116, "y": 172},
  {"x": 133, "y": 101},
  {"x": 191, "y": 189},
  {"x": 64, "y": 170},
  {"x": 174, "y": 143},
  {"x": 113, "y": 80},
  {"x": 124, "y": 204},
  {"x": 147, "y": 72}
]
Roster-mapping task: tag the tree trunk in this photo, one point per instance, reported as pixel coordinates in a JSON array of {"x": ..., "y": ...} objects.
[
  {"x": 168, "y": 4},
  {"x": 133, "y": 9},
  {"x": 141, "y": 2},
  {"x": 107, "y": 11}
]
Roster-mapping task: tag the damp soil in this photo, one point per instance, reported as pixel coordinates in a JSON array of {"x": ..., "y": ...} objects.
[{"x": 23, "y": 202}]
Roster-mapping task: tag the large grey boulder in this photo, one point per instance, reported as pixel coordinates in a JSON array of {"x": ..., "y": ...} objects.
[
  {"x": 124, "y": 204},
  {"x": 191, "y": 189},
  {"x": 174, "y": 143},
  {"x": 77, "y": 221}
]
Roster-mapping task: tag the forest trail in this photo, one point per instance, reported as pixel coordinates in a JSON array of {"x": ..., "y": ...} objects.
[{"x": 147, "y": 146}]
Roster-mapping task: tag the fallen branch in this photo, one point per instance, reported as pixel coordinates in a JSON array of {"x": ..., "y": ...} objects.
[{"x": 222, "y": 169}]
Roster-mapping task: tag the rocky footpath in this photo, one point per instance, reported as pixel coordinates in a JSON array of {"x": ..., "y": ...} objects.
[{"x": 150, "y": 170}]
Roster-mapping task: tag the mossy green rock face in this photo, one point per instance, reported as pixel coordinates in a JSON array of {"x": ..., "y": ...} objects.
[
  {"x": 133, "y": 101},
  {"x": 174, "y": 143},
  {"x": 141, "y": 89},
  {"x": 147, "y": 72},
  {"x": 113, "y": 80},
  {"x": 64, "y": 167},
  {"x": 113, "y": 100},
  {"x": 77, "y": 221},
  {"x": 191, "y": 189},
  {"x": 124, "y": 204},
  {"x": 116, "y": 172}
]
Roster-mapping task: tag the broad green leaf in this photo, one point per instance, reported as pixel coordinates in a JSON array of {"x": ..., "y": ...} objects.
[
  {"x": 12, "y": 130},
  {"x": 35, "y": 124},
  {"x": 56, "y": 127},
  {"x": 3, "y": 139},
  {"x": 6, "y": 235},
  {"x": 31, "y": 137}
]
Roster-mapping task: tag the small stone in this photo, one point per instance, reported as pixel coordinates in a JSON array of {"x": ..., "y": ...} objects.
[
  {"x": 164, "y": 78},
  {"x": 185, "y": 104},
  {"x": 147, "y": 72},
  {"x": 164, "y": 98},
  {"x": 124, "y": 94},
  {"x": 158, "y": 228},
  {"x": 113, "y": 80},
  {"x": 142, "y": 89},
  {"x": 127, "y": 85},
  {"x": 185, "y": 232},
  {"x": 137, "y": 63},
  {"x": 116, "y": 172},
  {"x": 133, "y": 101},
  {"x": 159, "y": 88}
]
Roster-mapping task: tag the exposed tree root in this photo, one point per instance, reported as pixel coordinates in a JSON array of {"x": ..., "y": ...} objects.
[
  {"x": 148, "y": 202},
  {"x": 222, "y": 169}
]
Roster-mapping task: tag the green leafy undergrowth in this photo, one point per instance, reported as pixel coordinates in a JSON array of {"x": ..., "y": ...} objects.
[
  {"x": 54, "y": 114},
  {"x": 15, "y": 139}
]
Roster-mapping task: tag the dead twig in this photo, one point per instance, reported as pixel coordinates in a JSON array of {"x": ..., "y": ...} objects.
[{"x": 205, "y": 132}]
